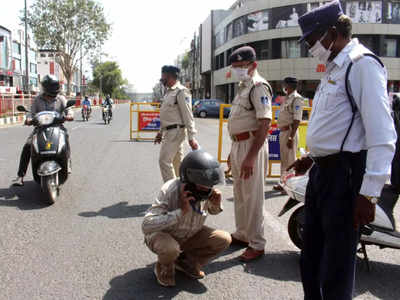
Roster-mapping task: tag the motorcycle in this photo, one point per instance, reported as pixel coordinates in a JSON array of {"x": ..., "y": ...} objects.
[
  {"x": 85, "y": 113},
  {"x": 49, "y": 152},
  {"x": 381, "y": 232},
  {"x": 106, "y": 115}
]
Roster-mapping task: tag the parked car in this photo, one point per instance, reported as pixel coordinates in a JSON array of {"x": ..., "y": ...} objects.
[{"x": 209, "y": 108}]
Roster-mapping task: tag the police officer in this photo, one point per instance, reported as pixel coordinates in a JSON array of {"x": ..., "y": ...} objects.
[
  {"x": 248, "y": 127},
  {"x": 351, "y": 138},
  {"x": 290, "y": 116},
  {"x": 176, "y": 119}
]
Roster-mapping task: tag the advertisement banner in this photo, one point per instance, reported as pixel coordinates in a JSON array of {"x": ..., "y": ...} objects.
[
  {"x": 258, "y": 21},
  {"x": 364, "y": 11},
  {"x": 393, "y": 12},
  {"x": 287, "y": 16},
  {"x": 149, "y": 121},
  {"x": 273, "y": 143}
]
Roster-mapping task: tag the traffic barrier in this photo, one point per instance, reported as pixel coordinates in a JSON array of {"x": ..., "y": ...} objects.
[
  {"x": 273, "y": 137},
  {"x": 144, "y": 120},
  {"x": 9, "y": 103}
]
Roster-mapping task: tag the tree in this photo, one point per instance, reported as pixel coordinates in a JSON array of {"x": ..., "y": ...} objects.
[
  {"x": 107, "y": 76},
  {"x": 71, "y": 28}
]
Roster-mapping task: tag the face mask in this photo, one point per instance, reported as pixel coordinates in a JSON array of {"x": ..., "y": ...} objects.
[
  {"x": 241, "y": 74},
  {"x": 164, "y": 82},
  {"x": 319, "y": 51}
]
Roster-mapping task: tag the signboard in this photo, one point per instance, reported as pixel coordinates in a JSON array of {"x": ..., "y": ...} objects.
[
  {"x": 273, "y": 143},
  {"x": 149, "y": 121}
]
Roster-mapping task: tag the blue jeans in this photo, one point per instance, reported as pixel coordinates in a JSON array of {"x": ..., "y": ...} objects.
[{"x": 330, "y": 241}]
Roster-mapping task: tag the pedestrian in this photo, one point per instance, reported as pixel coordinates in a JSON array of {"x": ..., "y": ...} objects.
[
  {"x": 248, "y": 127},
  {"x": 174, "y": 226},
  {"x": 290, "y": 116},
  {"x": 176, "y": 118},
  {"x": 351, "y": 138}
]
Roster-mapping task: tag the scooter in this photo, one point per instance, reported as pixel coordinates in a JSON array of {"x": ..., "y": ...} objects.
[
  {"x": 49, "y": 152},
  {"x": 106, "y": 115},
  {"x": 85, "y": 113},
  {"x": 381, "y": 232}
]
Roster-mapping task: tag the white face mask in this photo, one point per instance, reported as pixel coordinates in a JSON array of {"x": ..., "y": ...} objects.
[
  {"x": 319, "y": 51},
  {"x": 241, "y": 74}
]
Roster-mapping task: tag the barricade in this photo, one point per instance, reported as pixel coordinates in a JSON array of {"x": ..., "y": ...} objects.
[
  {"x": 144, "y": 120},
  {"x": 9, "y": 103},
  {"x": 273, "y": 137}
]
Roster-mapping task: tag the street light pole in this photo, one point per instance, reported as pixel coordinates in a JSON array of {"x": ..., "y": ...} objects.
[{"x": 26, "y": 50}]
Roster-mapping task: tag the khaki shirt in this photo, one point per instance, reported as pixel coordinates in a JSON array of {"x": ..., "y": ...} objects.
[
  {"x": 58, "y": 104},
  {"x": 291, "y": 110},
  {"x": 166, "y": 216},
  {"x": 241, "y": 118},
  {"x": 176, "y": 108}
]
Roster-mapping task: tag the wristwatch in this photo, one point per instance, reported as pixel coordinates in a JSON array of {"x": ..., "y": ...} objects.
[
  {"x": 290, "y": 138},
  {"x": 371, "y": 199}
]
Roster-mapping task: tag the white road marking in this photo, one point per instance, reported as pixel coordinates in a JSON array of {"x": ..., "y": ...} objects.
[{"x": 76, "y": 127}]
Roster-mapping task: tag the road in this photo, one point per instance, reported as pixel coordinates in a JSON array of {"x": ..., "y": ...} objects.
[{"x": 89, "y": 245}]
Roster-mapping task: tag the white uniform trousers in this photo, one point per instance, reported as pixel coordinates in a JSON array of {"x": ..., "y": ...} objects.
[{"x": 171, "y": 153}]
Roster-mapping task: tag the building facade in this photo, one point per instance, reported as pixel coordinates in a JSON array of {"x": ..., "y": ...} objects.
[
  {"x": 271, "y": 28},
  {"x": 6, "y": 73}
]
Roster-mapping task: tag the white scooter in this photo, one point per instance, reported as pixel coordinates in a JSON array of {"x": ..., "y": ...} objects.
[{"x": 382, "y": 232}]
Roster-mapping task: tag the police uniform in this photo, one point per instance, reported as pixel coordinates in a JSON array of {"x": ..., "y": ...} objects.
[
  {"x": 176, "y": 119},
  {"x": 291, "y": 110},
  {"x": 249, "y": 193},
  {"x": 344, "y": 167}
]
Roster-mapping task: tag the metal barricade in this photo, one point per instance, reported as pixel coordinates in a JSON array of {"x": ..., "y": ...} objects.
[
  {"x": 144, "y": 120},
  {"x": 273, "y": 137}
]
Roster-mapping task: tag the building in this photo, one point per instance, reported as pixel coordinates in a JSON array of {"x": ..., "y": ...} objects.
[
  {"x": 48, "y": 65},
  {"x": 271, "y": 28},
  {"x": 18, "y": 62},
  {"x": 6, "y": 73}
]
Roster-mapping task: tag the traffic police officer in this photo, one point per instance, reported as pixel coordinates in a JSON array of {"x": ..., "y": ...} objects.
[
  {"x": 176, "y": 120},
  {"x": 352, "y": 142},
  {"x": 290, "y": 116},
  {"x": 248, "y": 127}
]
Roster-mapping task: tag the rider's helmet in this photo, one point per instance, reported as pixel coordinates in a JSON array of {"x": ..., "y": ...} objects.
[
  {"x": 200, "y": 167},
  {"x": 51, "y": 85}
]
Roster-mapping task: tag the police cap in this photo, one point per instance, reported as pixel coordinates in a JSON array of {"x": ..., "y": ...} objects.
[
  {"x": 170, "y": 70},
  {"x": 290, "y": 80},
  {"x": 245, "y": 53}
]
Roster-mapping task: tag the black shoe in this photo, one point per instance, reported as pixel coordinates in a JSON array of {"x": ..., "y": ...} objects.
[{"x": 19, "y": 181}]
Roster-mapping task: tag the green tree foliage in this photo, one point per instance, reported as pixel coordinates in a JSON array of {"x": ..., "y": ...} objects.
[
  {"x": 108, "y": 76},
  {"x": 71, "y": 28}
]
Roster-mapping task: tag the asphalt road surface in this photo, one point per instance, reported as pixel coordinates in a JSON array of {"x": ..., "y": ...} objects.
[{"x": 89, "y": 244}]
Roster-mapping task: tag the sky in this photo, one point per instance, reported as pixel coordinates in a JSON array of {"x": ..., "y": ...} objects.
[{"x": 145, "y": 34}]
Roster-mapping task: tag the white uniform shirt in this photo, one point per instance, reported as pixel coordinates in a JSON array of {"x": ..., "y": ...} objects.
[{"x": 373, "y": 128}]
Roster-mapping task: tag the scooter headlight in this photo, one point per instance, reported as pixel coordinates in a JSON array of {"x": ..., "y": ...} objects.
[{"x": 45, "y": 119}]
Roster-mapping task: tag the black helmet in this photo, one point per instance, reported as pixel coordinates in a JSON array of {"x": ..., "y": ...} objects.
[
  {"x": 199, "y": 167},
  {"x": 51, "y": 85}
]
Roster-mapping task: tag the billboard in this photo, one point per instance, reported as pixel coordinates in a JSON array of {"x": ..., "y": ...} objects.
[
  {"x": 149, "y": 121},
  {"x": 258, "y": 21},
  {"x": 287, "y": 16},
  {"x": 393, "y": 12},
  {"x": 364, "y": 11},
  {"x": 239, "y": 26}
]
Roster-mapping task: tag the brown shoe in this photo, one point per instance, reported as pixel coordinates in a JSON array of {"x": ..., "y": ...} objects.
[
  {"x": 278, "y": 187},
  {"x": 237, "y": 242},
  {"x": 251, "y": 254},
  {"x": 190, "y": 269},
  {"x": 165, "y": 274}
]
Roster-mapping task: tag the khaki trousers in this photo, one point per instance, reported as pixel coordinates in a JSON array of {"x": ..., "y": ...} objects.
[
  {"x": 249, "y": 196},
  {"x": 199, "y": 249},
  {"x": 288, "y": 156},
  {"x": 171, "y": 153}
]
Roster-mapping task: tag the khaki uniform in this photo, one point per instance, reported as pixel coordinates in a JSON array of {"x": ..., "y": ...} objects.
[
  {"x": 168, "y": 232},
  {"x": 291, "y": 110},
  {"x": 249, "y": 194},
  {"x": 176, "y": 109}
]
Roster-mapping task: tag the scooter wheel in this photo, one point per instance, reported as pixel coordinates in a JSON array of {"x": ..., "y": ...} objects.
[{"x": 296, "y": 227}]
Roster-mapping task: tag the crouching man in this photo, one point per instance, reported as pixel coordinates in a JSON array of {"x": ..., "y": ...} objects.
[{"x": 174, "y": 225}]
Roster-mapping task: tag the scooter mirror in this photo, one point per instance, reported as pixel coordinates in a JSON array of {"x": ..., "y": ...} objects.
[
  {"x": 71, "y": 103},
  {"x": 21, "y": 108}
]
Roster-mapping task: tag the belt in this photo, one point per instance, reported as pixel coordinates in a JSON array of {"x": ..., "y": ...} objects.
[
  {"x": 285, "y": 128},
  {"x": 334, "y": 160},
  {"x": 174, "y": 126},
  {"x": 242, "y": 136}
]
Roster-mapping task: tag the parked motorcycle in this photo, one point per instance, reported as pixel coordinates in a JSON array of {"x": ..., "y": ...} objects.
[
  {"x": 49, "y": 152},
  {"x": 85, "y": 113},
  {"x": 106, "y": 115},
  {"x": 381, "y": 232}
]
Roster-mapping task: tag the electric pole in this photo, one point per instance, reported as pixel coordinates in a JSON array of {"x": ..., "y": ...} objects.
[{"x": 27, "y": 87}]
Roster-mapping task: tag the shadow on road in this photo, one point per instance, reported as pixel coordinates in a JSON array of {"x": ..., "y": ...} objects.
[
  {"x": 272, "y": 194},
  {"x": 27, "y": 197},
  {"x": 142, "y": 284},
  {"x": 118, "y": 211}
]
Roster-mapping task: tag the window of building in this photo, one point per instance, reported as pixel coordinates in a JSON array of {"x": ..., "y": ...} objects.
[
  {"x": 390, "y": 48},
  {"x": 51, "y": 55},
  {"x": 16, "y": 48},
  {"x": 42, "y": 55},
  {"x": 33, "y": 68},
  {"x": 290, "y": 49}
]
